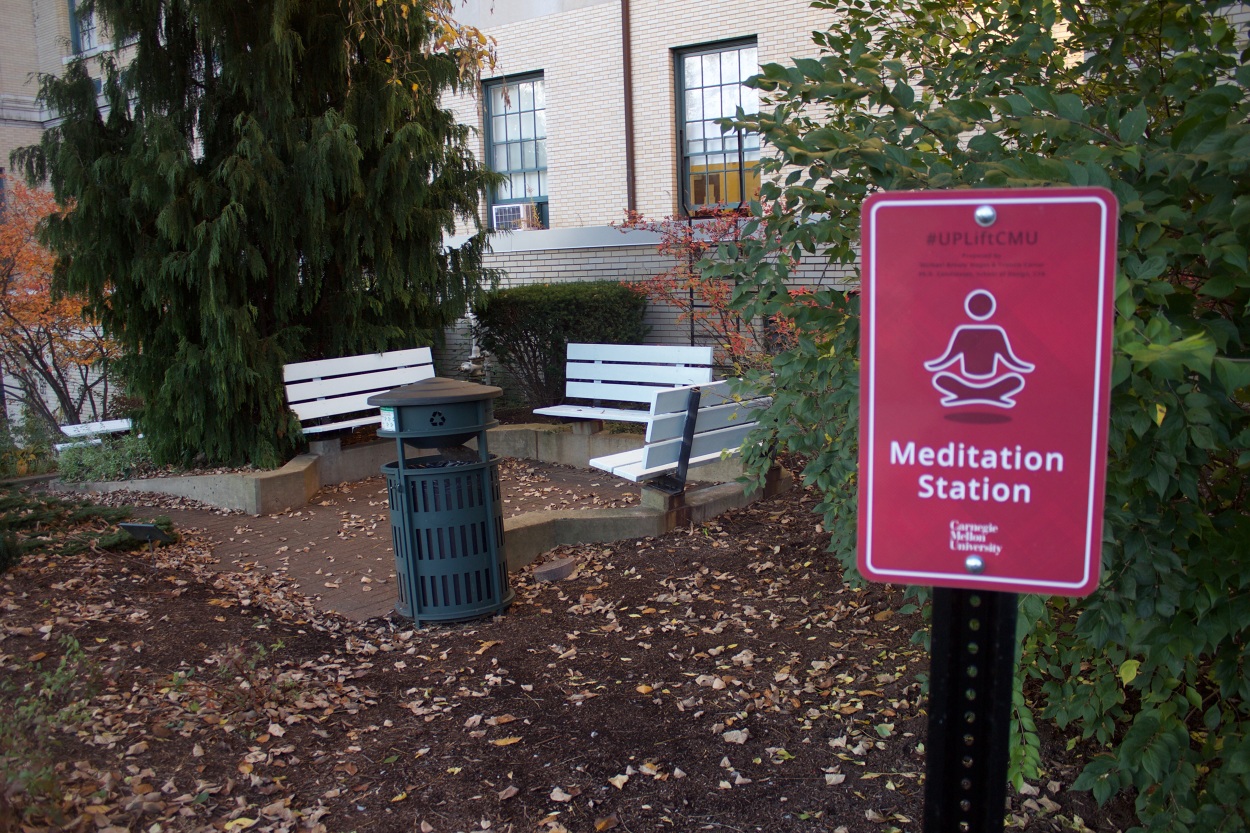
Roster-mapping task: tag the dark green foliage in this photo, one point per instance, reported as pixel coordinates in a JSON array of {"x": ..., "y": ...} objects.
[
  {"x": 527, "y": 328},
  {"x": 119, "y": 540},
  {"x": 10, "y": 553},
  {"x": 271, "y": 182},
  {"x": 1149, "y": 100},
  {"x": 37, "y": 521}
]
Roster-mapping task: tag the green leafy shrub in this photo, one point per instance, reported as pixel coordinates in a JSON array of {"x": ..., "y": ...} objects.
[
  {"x": 528, "y": 327},
  {"x": 1149, "y": 100},
  {"x": 116, "y": 458},
  {"x": 25, "y": 449}
]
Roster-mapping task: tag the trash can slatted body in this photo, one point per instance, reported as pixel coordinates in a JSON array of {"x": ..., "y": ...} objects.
[{"x": 446, "y": 514}]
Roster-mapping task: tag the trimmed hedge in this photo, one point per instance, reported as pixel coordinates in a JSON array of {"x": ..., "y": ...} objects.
[{"x": 526, "y": 328}]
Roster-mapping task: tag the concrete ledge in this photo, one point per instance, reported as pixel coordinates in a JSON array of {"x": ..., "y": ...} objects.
[
  {"x": 530, "y": 535},
  {"x": 266, "y": 492},
  {"x": 260, "y": 493},
  {"x": 525, "y": 537},
  {"x": 562, "y": 444}
]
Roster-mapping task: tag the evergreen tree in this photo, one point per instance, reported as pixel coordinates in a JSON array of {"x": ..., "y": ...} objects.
[{"x": 268, "y": 181}]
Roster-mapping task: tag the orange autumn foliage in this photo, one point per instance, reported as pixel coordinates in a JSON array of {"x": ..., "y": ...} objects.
[
  {"x": 53, "y": 356},
  {"x": 706, "y": 304}
]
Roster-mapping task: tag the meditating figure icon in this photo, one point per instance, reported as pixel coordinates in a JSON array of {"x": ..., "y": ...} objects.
[{"x": 987, "y": 372}]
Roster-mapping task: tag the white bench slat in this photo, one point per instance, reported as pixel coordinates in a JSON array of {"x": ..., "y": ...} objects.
[
  {"x": 709, "y": 444},
  {"x": 721, "y": 426},
  {"x": 631, "y": 466},
  {"x": 348, "y": 365},
  {"x": 648, "y": 374},
  {"x": 384, "y": 380},
  {"x": 346, "y": 423},
  {"x": 609, "y": 392},
  {"x": 91, "y": 429},
  {"x": 670, "y": 426},
  {"x": 673, "y": 400},
  {"x": 338, "y": 406},
  {"x": 59, "y": 447},
  {"x": 624, "y": 464},
  {"x": 641, "y": 353},
  {"x": 327, "y": 388},
  {"x": 588, "y": 412}
]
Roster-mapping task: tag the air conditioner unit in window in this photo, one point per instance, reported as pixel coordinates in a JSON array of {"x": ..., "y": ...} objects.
[{"x": 514, "y": 216}]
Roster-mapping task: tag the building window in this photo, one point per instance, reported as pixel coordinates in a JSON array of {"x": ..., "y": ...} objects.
[
  {"x": 84, "y": 33},
  {"x": 719, "y": 165},
  {"x": 516, "y": 140}
]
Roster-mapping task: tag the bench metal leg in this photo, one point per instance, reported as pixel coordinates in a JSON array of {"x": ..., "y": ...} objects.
[{"x": 675, "y": 484}]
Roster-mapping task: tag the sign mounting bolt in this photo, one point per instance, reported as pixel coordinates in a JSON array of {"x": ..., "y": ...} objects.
[
  {"x": 985, "y": 216},
  {"x": 974, "y": 564}
]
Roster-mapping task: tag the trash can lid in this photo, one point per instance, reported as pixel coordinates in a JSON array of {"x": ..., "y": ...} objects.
[{"x": 434, "y": 391}]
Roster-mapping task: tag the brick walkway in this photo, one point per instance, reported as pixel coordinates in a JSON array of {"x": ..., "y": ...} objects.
[{"x": 338, "y": 548}]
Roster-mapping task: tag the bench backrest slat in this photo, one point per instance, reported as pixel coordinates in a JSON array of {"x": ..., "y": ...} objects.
[
  {"x": 90, "y": 429},
  {"x": 640, "y": 353},
  {"x": 632, "y": 372},
  {"x": 650, "y": 375},
  {"x": 347, "y": 365},
  {"x": 336, "y": 387},
  {"x": 670, "y": 426},
  {"x": 673, "y": 400},
  {"x": 337, "y": 406},
  {"x": 300, "y": 392},
  {"x": 655, "y": 455},
  {"x": 608, "y": 391}
]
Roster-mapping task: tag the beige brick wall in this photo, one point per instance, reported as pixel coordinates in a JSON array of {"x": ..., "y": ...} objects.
[
  {"x": 579, "y": 53},
  {"x": 621, "y": 263},
  {"x": 782, "y": 29},
  {"x": 34, "y": 39}
]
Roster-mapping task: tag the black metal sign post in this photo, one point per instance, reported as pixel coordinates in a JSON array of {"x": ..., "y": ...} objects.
[{"x": 973, "y": 649}]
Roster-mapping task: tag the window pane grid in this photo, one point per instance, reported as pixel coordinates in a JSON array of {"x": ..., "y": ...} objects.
[
  {"x": 517, "y": 121},
  {"x": 721, "y": 165}
]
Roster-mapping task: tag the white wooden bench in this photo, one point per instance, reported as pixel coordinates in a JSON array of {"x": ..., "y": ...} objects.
[
  {"x": 330, "y": 394},
  {"x": 623, "y": 373},
  {"x": 689, "y": 426},
  {"x": 91, "y": 433}
]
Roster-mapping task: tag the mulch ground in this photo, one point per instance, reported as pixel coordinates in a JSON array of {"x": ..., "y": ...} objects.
[{"x": 721, "y": 677}]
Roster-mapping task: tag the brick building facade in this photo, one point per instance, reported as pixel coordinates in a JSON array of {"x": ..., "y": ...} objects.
[
  {"x": 37, "y": 37},
  {"x": 627, "y": 123}
]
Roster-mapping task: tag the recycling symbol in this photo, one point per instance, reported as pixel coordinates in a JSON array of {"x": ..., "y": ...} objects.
[{"x": 437, "y": 419}]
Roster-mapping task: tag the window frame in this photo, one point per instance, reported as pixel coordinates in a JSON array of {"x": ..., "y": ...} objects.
[
  {"x": 685, "y": 206},
  {"x": 76, "y": 31},
  {"x": 540, "y": 202}
]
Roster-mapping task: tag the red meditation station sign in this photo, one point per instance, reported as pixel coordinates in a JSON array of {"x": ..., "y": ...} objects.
[{"x": 985, "y": 372}]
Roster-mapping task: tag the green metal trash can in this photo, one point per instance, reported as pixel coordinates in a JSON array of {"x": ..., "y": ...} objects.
[{"x": 446, "y": 512}]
